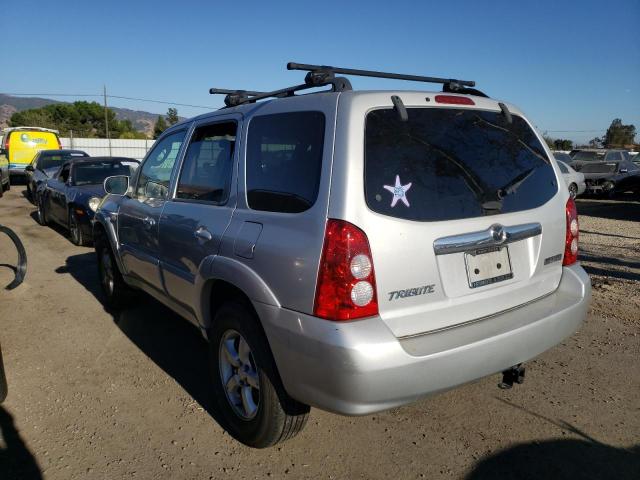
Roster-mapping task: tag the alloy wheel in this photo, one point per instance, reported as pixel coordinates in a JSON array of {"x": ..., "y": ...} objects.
[
  {"x": 106, "y": 272},
  {"x": 239, "y": 375}
]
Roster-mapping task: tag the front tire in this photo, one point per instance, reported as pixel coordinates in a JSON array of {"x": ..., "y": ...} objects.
[
  {"x": 117, "y": 294},
  {"x": 255, "y": 408},
  {"x": 41, "y": 213},
  {"x": 75, "y": 231}
]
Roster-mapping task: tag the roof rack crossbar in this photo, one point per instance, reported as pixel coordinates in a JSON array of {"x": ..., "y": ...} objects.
[{"x": 371, "y": 73}]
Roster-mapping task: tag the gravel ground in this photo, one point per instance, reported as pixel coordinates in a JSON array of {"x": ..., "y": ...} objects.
[{"x": 93, "y": 396}]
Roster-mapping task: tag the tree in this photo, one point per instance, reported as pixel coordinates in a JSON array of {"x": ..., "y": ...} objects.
[
  {"x": 160, "y": 127},
  {"x": 595, "y": 142},
  {"x": 85, "y": 119},
  {"x": 563, "y": 144},
  {"x": 172, "y": 116},
  {"x": 548, "y": 140},
  {"x": 619, "y": 135}
]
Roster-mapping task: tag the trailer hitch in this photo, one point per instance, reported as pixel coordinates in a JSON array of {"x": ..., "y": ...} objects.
[
  {"x": 512, "y": 375},
  {"x": 21, "y": 268}
]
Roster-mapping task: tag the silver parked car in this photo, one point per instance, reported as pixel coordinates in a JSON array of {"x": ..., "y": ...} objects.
[
  {"x": 349, "y": 250},
  {"x": 574, "y": 180}
]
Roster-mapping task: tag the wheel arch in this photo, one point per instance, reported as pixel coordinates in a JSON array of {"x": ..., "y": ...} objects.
[{"x": 222, "y": 279}]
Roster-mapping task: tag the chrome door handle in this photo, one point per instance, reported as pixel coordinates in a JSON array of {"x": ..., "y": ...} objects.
[
  {"x": 148, "y": 222},
  {"x": 203, "y": 234}
]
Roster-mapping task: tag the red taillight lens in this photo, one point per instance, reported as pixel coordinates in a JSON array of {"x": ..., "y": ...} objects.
[
  {"x": 6, "y": 143},
  {"x": 454, "y": 99},
  {"x": 346, "y": 287},
  {"x": 571, "y": 238}
]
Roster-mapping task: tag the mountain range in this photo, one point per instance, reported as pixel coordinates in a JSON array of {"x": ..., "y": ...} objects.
[{"x": 141, "y": 121}]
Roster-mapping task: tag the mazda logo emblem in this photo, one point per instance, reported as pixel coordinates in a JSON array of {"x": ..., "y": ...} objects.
[{"x": 497, "y": 233}]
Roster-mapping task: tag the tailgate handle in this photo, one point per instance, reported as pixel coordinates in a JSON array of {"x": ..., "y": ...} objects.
[{"x": 493, "y": 236}]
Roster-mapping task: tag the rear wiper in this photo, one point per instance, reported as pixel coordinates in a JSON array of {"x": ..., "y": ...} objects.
[{"x": 514, "y": 184}]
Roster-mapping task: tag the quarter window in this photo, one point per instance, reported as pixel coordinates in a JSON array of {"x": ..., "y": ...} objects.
[
  {"x": 155, "y": 173},
  {"x": 207, "y": 167},
  {"x": 284, "y": 159}
]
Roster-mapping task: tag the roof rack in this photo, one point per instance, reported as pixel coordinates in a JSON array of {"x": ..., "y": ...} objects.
[{"x": 323, "y": 75}]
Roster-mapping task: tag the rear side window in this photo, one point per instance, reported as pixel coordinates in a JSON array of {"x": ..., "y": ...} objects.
[
  {"x": 207, "y": 166},
  {"x": 563, "y": 167},
  {"x": 447, "y": 164},
  {"x": 284, "y": 159}
]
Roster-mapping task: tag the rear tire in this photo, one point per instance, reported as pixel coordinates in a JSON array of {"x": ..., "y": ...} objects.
[
  {"x": 573, "y": 190},
  {"x": 117, "y": 294},
  {"x": 256, "y": 409}
]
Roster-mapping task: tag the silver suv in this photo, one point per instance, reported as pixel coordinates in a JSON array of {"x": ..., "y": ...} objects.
[{"x": 349, "y": 250}]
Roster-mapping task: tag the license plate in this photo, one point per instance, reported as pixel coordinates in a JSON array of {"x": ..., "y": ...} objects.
[{"x": 488, "y": 265}]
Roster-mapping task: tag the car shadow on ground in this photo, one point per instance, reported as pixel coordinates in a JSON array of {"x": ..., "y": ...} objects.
[
  {"x": 16, "y": 461},
  {"x": 170, "y": 341},
  {"x": 570, "y": 459},
  {"x": 606, "y": 266},
  {"x": 624, "y": 207}
]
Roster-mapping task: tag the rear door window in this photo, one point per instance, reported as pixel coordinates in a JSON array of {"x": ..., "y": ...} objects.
[
  {"x": 447, "y": 164},
  {"x": 284, "y": 159}
]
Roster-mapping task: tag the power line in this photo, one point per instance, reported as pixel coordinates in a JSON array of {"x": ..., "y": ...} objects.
[
  {"x": 576, "y": 131},
  {"x": 206, "y": 107}
]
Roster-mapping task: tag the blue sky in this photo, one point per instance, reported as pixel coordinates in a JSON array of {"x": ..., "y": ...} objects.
[{"x": 570, "y": 65}]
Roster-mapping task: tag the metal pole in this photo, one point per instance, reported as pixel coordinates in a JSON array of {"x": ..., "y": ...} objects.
[
  {"x": 71, "y": 139},
  {"x": 106, "y": 120}
]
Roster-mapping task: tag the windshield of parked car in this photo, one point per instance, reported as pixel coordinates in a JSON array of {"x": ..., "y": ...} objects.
[
  {"x": 562, "y": 157},
  {"x": 55, "y": 159},
  {"x": 600, "y": 168},
  {"x": 94, "y": 173},
  {"x": 449, "y": 163},
  {"x": 588, "y": 156}
]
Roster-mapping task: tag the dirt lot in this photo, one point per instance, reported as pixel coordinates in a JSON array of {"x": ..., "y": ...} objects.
[{"x": 93, "y": 396}]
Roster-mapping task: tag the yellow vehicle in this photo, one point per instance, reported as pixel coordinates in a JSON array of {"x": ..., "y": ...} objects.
[{"x": 20, "y": 144}]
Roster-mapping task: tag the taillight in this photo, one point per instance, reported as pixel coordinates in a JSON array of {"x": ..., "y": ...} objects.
[
  {"x": 346, "y": 287},
  {"x": 571, "y": 238},
  {"x": 454, "y": 99},
  {"x": 6, "y": 143}
]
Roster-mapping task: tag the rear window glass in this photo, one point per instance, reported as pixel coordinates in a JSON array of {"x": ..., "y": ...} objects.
[
  {"x": 95, "y": 173},
  {"x": 49, "y": 160},
  {"x": 446, "y": 164},
  {"x": 284, "y": 158},
  {"x": 588, "y": 156},
  {"x": 600, "y": 168}
]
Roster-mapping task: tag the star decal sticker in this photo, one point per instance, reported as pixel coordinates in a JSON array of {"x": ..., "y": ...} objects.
[{"x": 399, "y": 192}]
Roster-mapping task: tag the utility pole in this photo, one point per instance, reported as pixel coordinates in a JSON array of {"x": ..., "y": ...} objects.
[{"x": 106, "y": 120}]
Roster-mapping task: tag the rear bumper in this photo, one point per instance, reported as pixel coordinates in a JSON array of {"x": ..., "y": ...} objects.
[{"x": 360, "y": 367}]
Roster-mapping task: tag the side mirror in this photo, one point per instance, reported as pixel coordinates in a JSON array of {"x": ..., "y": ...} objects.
[
  {"x": 116, "y": 185},
  {"x": 29, "y": 168}
]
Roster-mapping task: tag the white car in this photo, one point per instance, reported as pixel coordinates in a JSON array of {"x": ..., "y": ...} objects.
[{"x": 574, "y": 180}]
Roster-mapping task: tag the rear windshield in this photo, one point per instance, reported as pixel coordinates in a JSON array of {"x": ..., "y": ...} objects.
[
  {"x": 48, "y": 160},
  {"x": 446, "y": 164},
  {"x": 600, "y": 168},
  {"x": 95, "y": 173},
  {"x": 589, "y": 156}
]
